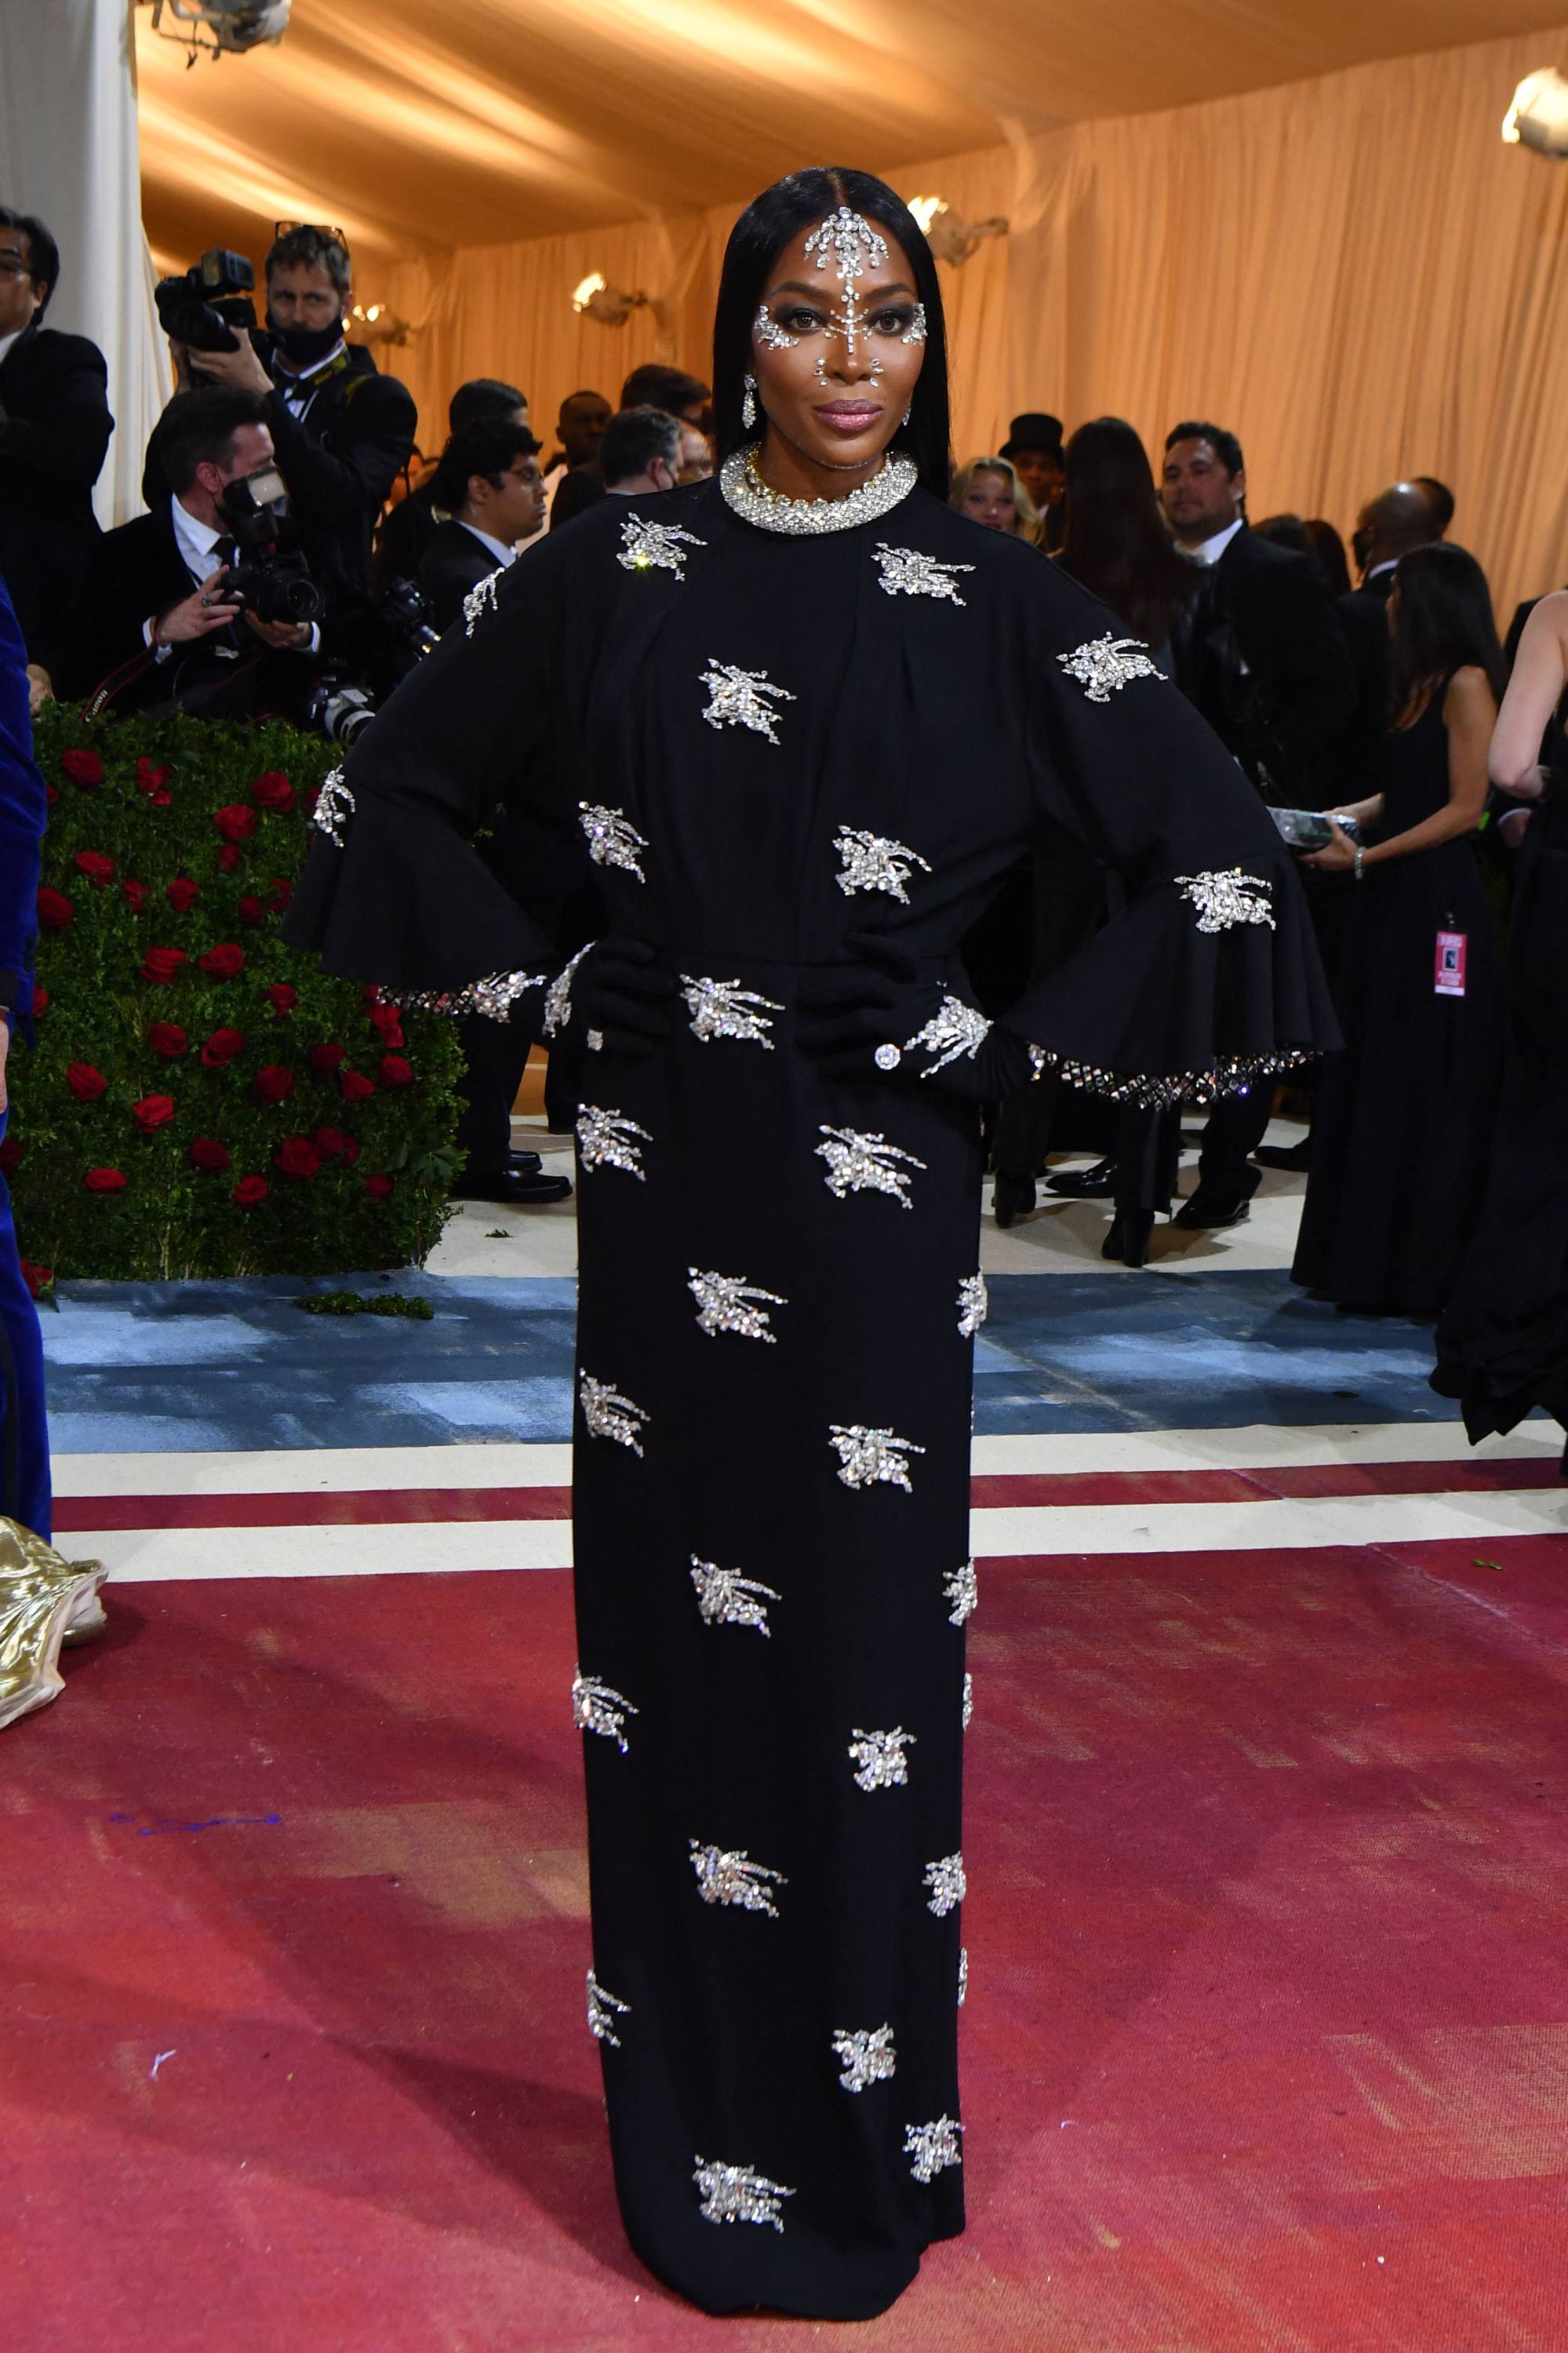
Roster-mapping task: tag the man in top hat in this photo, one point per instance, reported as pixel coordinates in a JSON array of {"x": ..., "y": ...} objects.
[{"x": 1034, "y": 450}]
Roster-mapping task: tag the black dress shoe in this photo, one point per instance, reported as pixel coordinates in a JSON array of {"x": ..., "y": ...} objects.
[
  {"x": 528, "y": 1162},
  {"x": 1285, "y": 1156},
  {"x": 1129, "y": 1236},
  {"x": 515, "y": 1188},
  {"x": 1085, "y": 1184},
  {"x": 1206, "y": 1212},
  {"x": 1012, "y": 1197}
]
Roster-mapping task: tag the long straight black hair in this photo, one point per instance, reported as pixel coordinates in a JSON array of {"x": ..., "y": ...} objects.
[
  {"x": 768, "y": 224},
  {"x": 1444, "y": 622},
  {"x": 1115, "y": 542}
]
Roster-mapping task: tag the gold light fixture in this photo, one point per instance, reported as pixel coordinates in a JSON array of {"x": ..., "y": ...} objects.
[
  {"x": 596, "y": 299},
  {"x": 1538, "y": 115},
  {"x": 228, "y": 26},
  {"x": 379, "y": 325},
  {"x": 951, "y": 238}
]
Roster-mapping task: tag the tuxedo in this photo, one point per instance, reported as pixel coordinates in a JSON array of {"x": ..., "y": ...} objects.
[
  {"x": 404, "y": 536},
  {"x": 53, "y": 433},
  {"x": 455, "y": 562}
]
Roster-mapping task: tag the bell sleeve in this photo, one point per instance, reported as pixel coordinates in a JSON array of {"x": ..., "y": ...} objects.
[
  {"x": 393, "y": 890},
  {"x": 1208, "y": 976}
]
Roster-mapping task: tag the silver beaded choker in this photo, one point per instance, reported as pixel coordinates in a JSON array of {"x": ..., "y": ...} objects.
[{"x": 749, "y": 496}]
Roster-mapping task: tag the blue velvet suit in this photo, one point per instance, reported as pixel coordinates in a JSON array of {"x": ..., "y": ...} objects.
[{"x": 24, "y": 1434}]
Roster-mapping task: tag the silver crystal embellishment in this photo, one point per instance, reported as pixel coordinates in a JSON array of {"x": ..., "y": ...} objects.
[
  {"x": 721, "y": 1305},
  {"x": 604, "y": 2008},
  {"x": 962, "y": 1975},
  {"x": 947, "y": 1883},
  {"x": 747, "y": 495},
  {"x": 865, "y": 2055},
  {"x": 608, "y": 1414},
  {"x": 962, "y": 1589},
  {"x": 955, "y": 1029},
  {"x": 735, "y": 2193},
  {"x": 607, "y": 1139},
  {"x": 598, "y": 1708},
  {"x": 334, "y": 807},
  {"x": 872, "y": 862},
  {"x": 725, "y": 1597},
  {"x": 766, "y": 329},
  {"x": 1103, "y": 666},
  {"x": 974, "y": 1305},
  {"x": 478, "y": 597},
  {"x": 654, "y": 546},
  {"x": 879, "y": 1759},
  {"x": 558, "y": 999},
  {"x": 1225, "y": 899},
  {"x": 870, "y": 1458},
  {"x": 861, "y": 1162},
  {"x": 932, "y": 2147},
  {"x": 726, "y": 1875},
  {"x": 741, "y": 697},
  {"x": 612, "y": 838},
  {"x": 723, "y": 1008},
  {"x": 906, "y": 571},
  {"x": 968, "y": 1709}
]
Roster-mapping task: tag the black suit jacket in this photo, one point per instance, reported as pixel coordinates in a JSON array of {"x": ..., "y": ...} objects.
[
  {"x": 340, "y": 463},
  {"x": 407, "y": 531},
  {"x": 140, "y": 574},
  {"x": 1263, "y": 654},
  {"x": 454, "y": 563},
  {"x": 53, "y": 433}
]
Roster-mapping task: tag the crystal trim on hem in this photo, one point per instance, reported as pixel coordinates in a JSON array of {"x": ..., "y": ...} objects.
[{"x": 1152, "y": 1090}]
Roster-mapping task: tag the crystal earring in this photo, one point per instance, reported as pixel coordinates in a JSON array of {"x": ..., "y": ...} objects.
[
  {"x": 909, "y": 413},
  {"x": 749, "y": 402}
]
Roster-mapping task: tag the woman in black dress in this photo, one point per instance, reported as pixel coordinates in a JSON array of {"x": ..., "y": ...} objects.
[
  {"x": 1399, "y": 1136},
  {"x": 1502, "y": 1340},
  {"x": 804, "y": 719}
]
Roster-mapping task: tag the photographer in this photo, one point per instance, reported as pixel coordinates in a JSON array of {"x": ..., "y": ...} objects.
[
  {"x": 341, "y": 432},
  {"x": 490, "y": 494},
  {"x": 170, "y": 627},
  {"x": 54, "y": 432},
  {"x": 407, "y": 529}
]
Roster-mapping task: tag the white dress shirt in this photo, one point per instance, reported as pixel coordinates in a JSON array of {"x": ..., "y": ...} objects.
[
  {"x": 497, "y": 547},
  {"x": 198, "y": 543},
  {"x": 5, "y": 343},
  {"x": 1208, "y": 551},
  {"x": 297, "y": 391}
]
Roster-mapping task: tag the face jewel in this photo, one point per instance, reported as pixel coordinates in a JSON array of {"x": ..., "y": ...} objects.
[
  {"x": 731, "y": 1877},
  {"x": 968, "y": 1700},
  {"x": 604, "y": 2008},
  {"x": 766, "y": 329},
  {"x": 739, "y": 698},
  {"x": 655, "y": 547},
  {"x": 867, "y": 2055},
  {"x": 596, "y": 1707},
  {"x": 905, "y": 572},
  {"x": 1103, "y": 666},
  {"x": 879, "y": 1759},
  {"x": 725, "y": 1597},
  {"x": 558, "y": 1002},
  {"x": 476, "y": 599},
  {"x": 1226, "y": 899},
  {"x": 955, "y": 1029},
  {"x": 916, "y": 331},
  {"x": 606, "y": 1139},
  {"x": 962, "y": 1589},
  {"x": 972, "y": 1305},
  {"x": 721, "y": 1306},
  {"x": 334, "y": 807},
  {"x": 870, "y": 1458},
  {"x": 723, "y": 1008},
  {"x": 947, "y": 1883},
  {"x": 747, "y": 495},
  {"x": 733, "y": 2193},
  {"x": 872, "y": 862},
  {"x": 932, "y": 2147},
  {"x": 849, "y": 241},
  {"x": 962, "y": 1975},
  {"x": 865, "y": 1164},
  {"x": 608, "y": 1414},
  {"x": 612, "y": 838}
]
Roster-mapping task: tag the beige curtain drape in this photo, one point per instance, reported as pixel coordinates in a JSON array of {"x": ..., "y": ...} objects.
[{"x": 1351, "y": 272}]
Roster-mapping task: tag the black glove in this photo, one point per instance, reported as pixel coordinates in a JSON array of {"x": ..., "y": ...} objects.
[
  {"x": 622, "y": 998},
  {"x": 876, "y": 1018}
]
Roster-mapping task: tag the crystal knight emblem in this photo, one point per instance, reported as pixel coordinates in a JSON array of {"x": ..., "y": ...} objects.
[
  {"x": 905, "y": 572},
  {"x": 962, "y": 1589},
  {"x": 558, "y": 998},
  {"x": 604, "y": 2008},
  {"x": 739, "y": 698},
  {"x": 654, "y": 546},
  {"x": 735, "y": 2193},
  {"x": 607, "y": 1139},
  {"x": 334, "y": 807},
  {"x": 974, "y": 1305},
  {"x": 730, "y": 1876},
  {"x": 955, "y": 1029},
  {"x": 721, "y": 1305},
  {"x": 870, "y": 1458},
  {"x": 612, "y": 838},
  {"x": 879, "y": 1759},
  {"x": 857, "y": 1162},
  {"x": 723, "y": 1008},
  {"x": 932, "y": 2147},
  {"x": 1226, "y": 899},
  {"x": 872, "y": 862},
  {"x": 947, "y": 1884},
  {"x": 867, "y": 2055},
  {"x": 598, "y": 1708},
  {"x": 725, "y": 1597},
  {"x": 1103, "y": 666},
  {"x": 608, "y": 1414}
]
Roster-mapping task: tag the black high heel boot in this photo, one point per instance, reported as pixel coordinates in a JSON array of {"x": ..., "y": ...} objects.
[
  {"x": 1129, "y": 1236},
  {"x": 1012, "y": 1197}
]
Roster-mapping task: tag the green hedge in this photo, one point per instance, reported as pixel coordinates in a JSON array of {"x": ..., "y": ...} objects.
[{"x": 201, "y": 1100}]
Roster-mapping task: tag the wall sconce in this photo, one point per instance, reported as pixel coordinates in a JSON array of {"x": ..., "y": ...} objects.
[
  {"x": 951, "y": 238},
  {"x": 1538, "y": 115},
  {"x": 380, "y": 324},
  {"x": 596, "y": 298}
]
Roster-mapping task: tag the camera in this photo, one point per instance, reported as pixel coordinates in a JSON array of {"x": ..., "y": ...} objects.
[
  {"x": 272, "y": 581},
  {"x": 404, "y": 610},
  {"x": 341, "y": 709},
  {"x": 210, "y": 306}
]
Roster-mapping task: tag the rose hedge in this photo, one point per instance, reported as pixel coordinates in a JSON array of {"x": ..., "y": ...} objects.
[{"x": 201, "y": 1101}]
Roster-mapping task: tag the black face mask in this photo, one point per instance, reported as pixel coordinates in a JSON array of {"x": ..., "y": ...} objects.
[{"x": 306, "y": 345}]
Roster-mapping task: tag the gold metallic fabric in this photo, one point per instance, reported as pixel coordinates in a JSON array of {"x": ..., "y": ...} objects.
[{"x": 44, "y": 1600}]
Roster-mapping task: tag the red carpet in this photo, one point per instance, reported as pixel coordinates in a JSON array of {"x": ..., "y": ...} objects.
[{"x": 1266, "y": 2042}]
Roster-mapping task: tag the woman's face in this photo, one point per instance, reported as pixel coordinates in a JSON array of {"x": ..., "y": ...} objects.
[
  {"x": 989, "y": 498},
  {"x": 838, "y": 341}
]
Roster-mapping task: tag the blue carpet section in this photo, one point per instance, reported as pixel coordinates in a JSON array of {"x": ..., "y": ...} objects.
[{"x": 139, "y": 1368}]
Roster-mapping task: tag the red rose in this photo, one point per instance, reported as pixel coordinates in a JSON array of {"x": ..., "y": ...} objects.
[
  {"x": 167, "y": 1039},
  {"x": 384, "y": 1018},
  {"x": 273, "y": 1083},
  {"x": 251, "y": 910},
  {"x": 250, "y": 1190},
  {"x": 278, "y": 892},
  {"x": 38, "y": 1279},
  {"x": 51, "y": 795},
  {"x": 153, "y": 1112},
  {"x": 282, "y": 996},
  {"x": 235, "y": 822},
  {"x": 84, "y": 768},
  {"x": 10, "y": 1154},
  {"x": 324, "y": 1060},
  {"x": 182, "y": 893},
  {"x": 221, "y": 1048},
  {"x": 352, "y": 1087},
  {"x": 326, "y": 1142},
  {"x": 55, "y": 909},
  {"x": 95, "y": 865},
  {"x": 40, "y": 999},
  {"x": 105, "y": 1180},
  {"x": 378, "y": 1187},
  {"x": 350, "y": 1150},
  {"x": 228, "y": 857},
  {"x": 151, "y": 779},
  {"x": 223, "y": 962},
  {"x": 273, "y": 791},
  {"x": 160, "y": 965},
  {"x": 395, "y": 1071},
  {"x": 136, "y": 893},
  {"x": 296, "y": 1157},
  {"x": 85, "y": 1083},
  {"x": 209, "y": 1156}
]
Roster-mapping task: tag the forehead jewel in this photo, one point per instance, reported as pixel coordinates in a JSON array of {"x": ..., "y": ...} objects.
[{"x": 851, "y": 240}]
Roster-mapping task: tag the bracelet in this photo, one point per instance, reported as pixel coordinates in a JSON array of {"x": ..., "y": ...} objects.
[{"x": 1356, "y": 868}]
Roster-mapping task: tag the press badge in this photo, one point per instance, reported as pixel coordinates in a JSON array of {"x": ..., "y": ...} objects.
[{"x": 1449, "y": 976}]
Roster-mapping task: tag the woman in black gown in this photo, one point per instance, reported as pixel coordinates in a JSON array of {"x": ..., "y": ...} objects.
[
  {"x": 1399, "y": 1136},
  {"x": 1503, "y": 1341},
  {"x": 804, "y": 719}
]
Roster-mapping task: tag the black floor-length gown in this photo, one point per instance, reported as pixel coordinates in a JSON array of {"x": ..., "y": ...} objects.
[
  {"x": 1503, "y": 1341},
  {"x": 769, "y": 740},
  {"x": 1399, "y": 1136}
]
